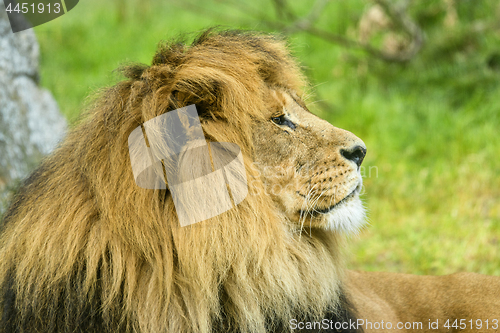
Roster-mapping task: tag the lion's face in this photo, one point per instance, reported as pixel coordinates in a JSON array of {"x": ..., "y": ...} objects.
[{"x": 310, "y": 168}]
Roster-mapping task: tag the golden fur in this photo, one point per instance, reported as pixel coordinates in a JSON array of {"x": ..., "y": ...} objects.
[
  {"x": 84, "y": 249},
  {"x": 80, "y": 227}
]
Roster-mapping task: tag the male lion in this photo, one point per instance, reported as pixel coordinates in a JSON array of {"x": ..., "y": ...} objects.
[{"x": 84, "y": 249}]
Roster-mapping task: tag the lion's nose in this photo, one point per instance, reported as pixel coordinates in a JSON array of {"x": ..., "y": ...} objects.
[{"x": 355, "y": 154}]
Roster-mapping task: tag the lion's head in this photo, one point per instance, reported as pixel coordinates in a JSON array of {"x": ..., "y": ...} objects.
[
  {"x": 84, "y": 248},
  {"x": 310, "y": 168}
]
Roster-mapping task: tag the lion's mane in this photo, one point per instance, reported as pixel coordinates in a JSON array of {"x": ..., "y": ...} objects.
[{"x": 84, "y": 249}]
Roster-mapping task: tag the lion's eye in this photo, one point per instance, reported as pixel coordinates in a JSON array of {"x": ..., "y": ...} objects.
[
  {"x": 283, "y": 121},
  {"x": 279, "y": 120}
]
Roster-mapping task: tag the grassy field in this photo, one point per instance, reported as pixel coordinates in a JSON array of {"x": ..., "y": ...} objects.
[{"x": 432, "y": 184}]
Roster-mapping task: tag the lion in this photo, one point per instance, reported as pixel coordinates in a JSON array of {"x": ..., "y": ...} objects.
[{"x": 84, "y": 249}]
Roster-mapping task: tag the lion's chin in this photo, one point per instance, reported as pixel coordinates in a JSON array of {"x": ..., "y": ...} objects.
[{"x": 349, "y": 217}]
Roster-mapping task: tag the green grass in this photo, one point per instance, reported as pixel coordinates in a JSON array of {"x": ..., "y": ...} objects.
[{"x": 432, "y": 183}]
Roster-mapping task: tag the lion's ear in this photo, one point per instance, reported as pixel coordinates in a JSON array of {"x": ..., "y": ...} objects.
[{"x": 207, "y": 95}]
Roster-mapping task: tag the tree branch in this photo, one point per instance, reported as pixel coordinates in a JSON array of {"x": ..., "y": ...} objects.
[
  {"x": 403, "y": 22},
  {"x": 308, "y": 21},
  {"x": 283, "y": 12},
  {"x": 397, "y": 15}
]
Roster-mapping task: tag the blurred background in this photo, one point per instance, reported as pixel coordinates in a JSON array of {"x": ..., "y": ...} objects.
[{"x": 418, "y": 81}]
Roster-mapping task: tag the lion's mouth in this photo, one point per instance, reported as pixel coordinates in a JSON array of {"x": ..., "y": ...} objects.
[{"x": 316, "y": 211}]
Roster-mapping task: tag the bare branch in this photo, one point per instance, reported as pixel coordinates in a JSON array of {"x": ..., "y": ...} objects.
[
  {"x": 283, "y": 11},
  {"x": 353, "y": 44},
  {"x": 402, "y": 21},
  {"x": 308, "y": 21},
  {"x": 396, "y": 14}
]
